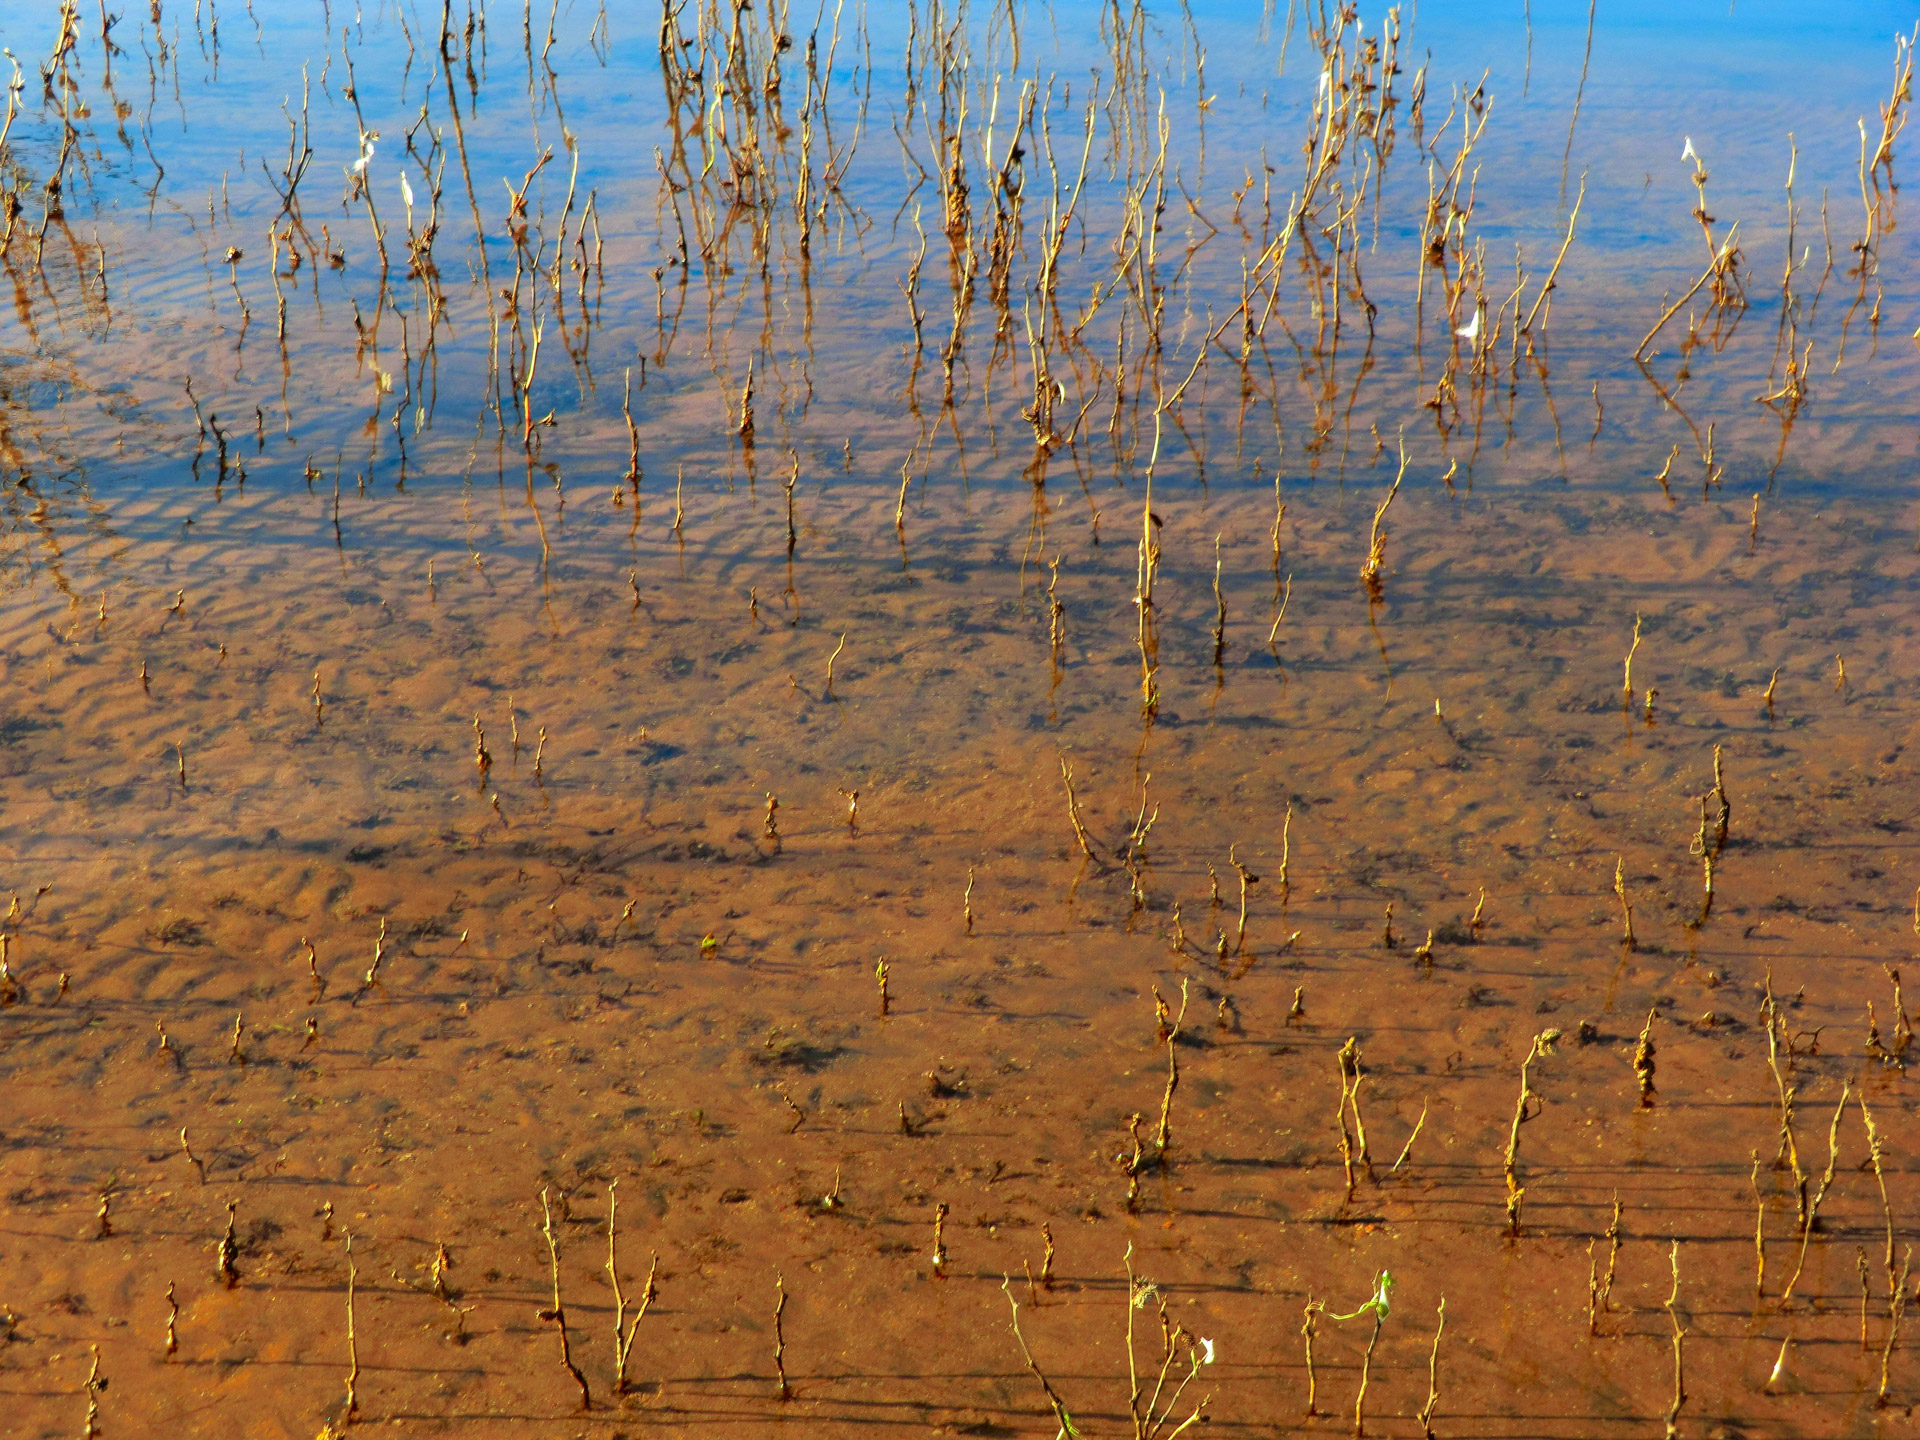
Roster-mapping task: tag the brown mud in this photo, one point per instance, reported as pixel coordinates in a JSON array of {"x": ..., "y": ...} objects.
[{"x": 618, "y": 976}]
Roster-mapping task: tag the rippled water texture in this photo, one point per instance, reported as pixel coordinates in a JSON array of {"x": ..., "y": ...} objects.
[{"x": 1031, "y": 692}]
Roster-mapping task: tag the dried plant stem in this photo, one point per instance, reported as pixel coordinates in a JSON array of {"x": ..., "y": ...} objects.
[
  {"x": 1613, "y": 1258},
  {"x": 95, "y": 1384},
  {"x": 1433, "y": 1374},
  {"x": 229, "y": 1248},
  {"x": 1715, "y": 267},
  {"x": 1543, "y": 1044},
  {"x": 1726, "y": 806},
  {"x": 557, "y": 1313},
  {"x": 1826, "y": 1181},
  {"x": 1626, "y": 906},
  {"x": 1866, "y": 1292},
  {"x": 1377, "y": 536},
  {"x": 353, "y": 1339},
  {"x": 1546, "y": 288},
  {"x": 1626, "y": 683},
  {"x": 199, "y": 1165},
  {"x": 1875, "y": 1157},
  {"x": 1407, "y": 1149},
  {"x": 830, "y": 659},
  {"x": 1286, "y": 855},
  {"x": 1593, "y": 1292},
  {"x": 1789, "y": 1150},
  {"x": 1308, "y": 1329},
  {"x": 1073, "y": 812},
  {"x": 1679, "y": 1336},
  {"x": 785, "y": 1391},
  {"x": 623, "y": 1333},
  {"x": 1247, "y": 880},
  {"x": 1060, "y": 1415},
  {"x": 1643, "y": 1060},
  {"x": 1366, "y": 1371},
  {"x": 1163, "y": 1137},
  {"x": 1350, "y": 1077},
  {"x": 1896, "y": 1307}
]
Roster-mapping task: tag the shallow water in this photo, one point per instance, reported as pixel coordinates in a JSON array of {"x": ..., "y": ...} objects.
[{"x": 346, "y": 647}]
